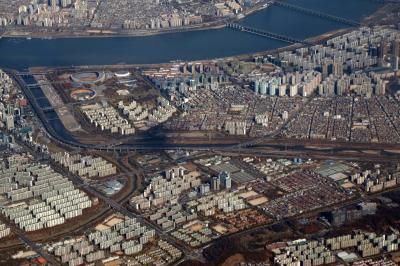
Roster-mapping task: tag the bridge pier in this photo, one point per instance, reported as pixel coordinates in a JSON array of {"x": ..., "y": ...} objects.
[
  {"x": 317, "y": 13},
  {"x": 267, "y": 34}
]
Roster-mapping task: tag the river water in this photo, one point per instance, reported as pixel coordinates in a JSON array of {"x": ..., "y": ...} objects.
[{"x": 19, "y": 53}]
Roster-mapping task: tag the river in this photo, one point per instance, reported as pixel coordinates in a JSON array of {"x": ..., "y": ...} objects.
[{"x": 20, "y": 53}]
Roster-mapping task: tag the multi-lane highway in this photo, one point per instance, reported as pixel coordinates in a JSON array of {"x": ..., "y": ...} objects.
[
  {"x": 35, "y": 247},
  {"x": 270, "y": 144},
  {"x": 260, "y": 147},
  {"x": 28, "y": 242},
  {"x": 116, "y": 206}
]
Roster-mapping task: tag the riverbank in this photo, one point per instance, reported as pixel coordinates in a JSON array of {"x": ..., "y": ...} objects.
[
  {"x": 317, "y": 39},
  {"x": 192, "y": 45},
  {"x": 99, "y": 33},
  {"x": 24, "y": 32},
  {"x": 246, "y": 56}
]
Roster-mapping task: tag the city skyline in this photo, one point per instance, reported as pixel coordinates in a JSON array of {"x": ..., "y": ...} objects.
[{"x": 275, "y": 140}]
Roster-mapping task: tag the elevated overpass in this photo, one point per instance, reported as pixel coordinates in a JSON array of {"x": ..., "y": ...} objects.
[
  {"x": 261, "y": 147},
  {"x": 267, "y": 34},
  {"x": 316, "y": 13}
]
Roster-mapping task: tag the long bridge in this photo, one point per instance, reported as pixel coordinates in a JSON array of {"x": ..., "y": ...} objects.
[
  {"x": 319, "y": 14},
  {"x": 267, "y": 34}
]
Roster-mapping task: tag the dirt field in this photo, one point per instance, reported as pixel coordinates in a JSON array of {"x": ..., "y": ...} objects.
[{"x": 233, "y": 260}]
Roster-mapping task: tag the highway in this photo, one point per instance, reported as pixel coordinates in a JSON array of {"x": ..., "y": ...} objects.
[
  {"x": 34, "y": 246},
  {"x": 258, "y": 148},
  {"x": 319, "y": 14},
  {"x": 296, "y": 146},
  {"x": 123, "y": 210},
  {"x": 78, "y": 181},
  {"x": 189, "y": 253},
  {"x": 196, "y": 254},
  {"x": 344, "y": 204},
  {"x": 116, "y": 206}
]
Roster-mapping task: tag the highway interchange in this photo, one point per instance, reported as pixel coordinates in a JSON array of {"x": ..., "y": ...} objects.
[{"x": 259, "y": 147}]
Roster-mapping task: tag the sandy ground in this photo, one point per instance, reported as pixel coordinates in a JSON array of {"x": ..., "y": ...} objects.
[
  {"x": 63, "y": 112},
  {"x": 233, "y": 260}
]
